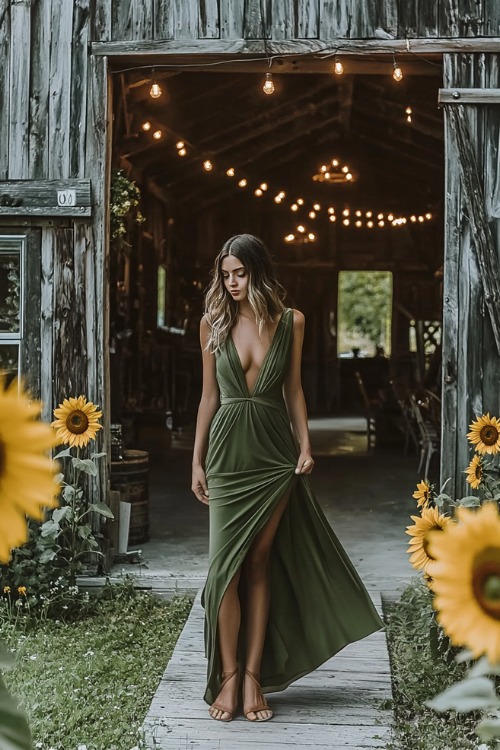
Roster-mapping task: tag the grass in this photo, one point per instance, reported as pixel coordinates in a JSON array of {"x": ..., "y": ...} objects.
[
  {"x": 87, "y": 685},
  {"x": 423, "y": 665}
]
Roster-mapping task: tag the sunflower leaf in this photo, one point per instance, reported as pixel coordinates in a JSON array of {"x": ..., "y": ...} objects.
[
  {"x": 489, "y": 728},
  {"x": 444, "y": 485},
  {"x": 64, "y": 453},
  {"x": 470, "y": 694},
  {"x": 464, "y": 655},
  {"x": 98, "y": 455},
  {"x": 470, "y": 501},
  {"x": 68, "y": 493},
  {"x": 14, "y": 730},
  {"x": 101, "y": 508},
  {"x": 483, "y": 667},
  {"x": 87, "y": 466},
  {"x": 60, "y": 513},
  {"x": 59, "y": 478}
]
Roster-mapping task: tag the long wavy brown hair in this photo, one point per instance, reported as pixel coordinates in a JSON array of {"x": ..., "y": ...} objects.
[{"x": 265, "y": 293}]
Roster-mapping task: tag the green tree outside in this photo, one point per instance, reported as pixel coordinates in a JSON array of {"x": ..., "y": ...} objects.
[{"x": 364, "y": 310}]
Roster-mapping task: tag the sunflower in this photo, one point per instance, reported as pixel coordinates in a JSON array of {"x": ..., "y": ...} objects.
[
  {"x": 430, "y": 520},
  {"x": 466, "y": 582},
  {"x": 423, "y": 494},
  {"x": 485, "y": 434},
  {"x": 475, "y": 472},
  {"x": 77, "y": 421},
  {"x": 27, "y": 474}
]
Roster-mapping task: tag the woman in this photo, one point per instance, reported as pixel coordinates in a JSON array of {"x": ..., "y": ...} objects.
[{"x": 281, "y": 595}]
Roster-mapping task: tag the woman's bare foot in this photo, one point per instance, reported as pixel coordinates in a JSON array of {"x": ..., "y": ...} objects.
[
  {"x": 226, "y": 703},
  {"x": 255, "y": 706}
]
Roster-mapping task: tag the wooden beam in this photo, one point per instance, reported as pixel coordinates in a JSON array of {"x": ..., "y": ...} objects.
[
  {"x": 216, "y": 47},
  {"x": 42, "y": 198},
  {"x": 483, "y": 243},
  {"x": 469, "y": 96}
]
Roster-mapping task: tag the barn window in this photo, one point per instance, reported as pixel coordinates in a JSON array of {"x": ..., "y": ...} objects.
[
  {"x": 12, "y": 258},
  {"x": 364, "y": 313}
]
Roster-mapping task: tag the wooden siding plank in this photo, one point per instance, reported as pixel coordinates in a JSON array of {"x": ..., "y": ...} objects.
[
  {"x": 335, "y": 21},
  {"x": 258, "y": 19},
  {"x": 70, "y": 346},
  {"x": 132, "y": 19},
  {"x": 101, "y": 15},
  {"x": 474, "y": 198},
  {"x": 79, "y": 72},
  {"x": 308, "y": 19},
  {"x": 186, "y": 19},
  {"x": 31, "y": 354},
  {"x": 164, "y": 19},
  {"x": 19, "y": 89},
  {"x": 208, "y": 19},
  {"x": 99, "y": 103},
  {"x": 232, "y": 13},
  {"x": 60, "y": 87},
  {"x": 492, "y": 17},
  {"x": 469, "y": 96},
  {"x": 4, "y": 87},
  {"x": 47, "y": 320},
  {"x": 39, "y": 91},
  {"x": 285, "y": 19},
  {"x": 209, "y": 47}
]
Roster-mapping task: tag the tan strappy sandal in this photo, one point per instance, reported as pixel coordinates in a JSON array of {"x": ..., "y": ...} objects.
[
  {"x": 219, "y": 706},
  {"x": 262, "y": 706}
]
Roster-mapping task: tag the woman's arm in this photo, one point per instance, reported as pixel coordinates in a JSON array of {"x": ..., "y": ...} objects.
[
  {"x": 294, "y": 397},
  {"x": 209, "y": 404}
]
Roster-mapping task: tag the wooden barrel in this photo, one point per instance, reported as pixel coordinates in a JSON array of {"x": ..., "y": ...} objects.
[{"x": 131, "y": 478}]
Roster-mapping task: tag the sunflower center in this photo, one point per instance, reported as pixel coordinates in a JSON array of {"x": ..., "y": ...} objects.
[
  {"x": 489, "y": 434},
  {"x": 486, "y": 582},
  {"x": 479, "y": 472},
  {"x": 77, "y": 422}
]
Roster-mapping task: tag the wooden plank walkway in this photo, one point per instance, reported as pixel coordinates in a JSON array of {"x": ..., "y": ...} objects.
[{"x": 343, "y": 704}]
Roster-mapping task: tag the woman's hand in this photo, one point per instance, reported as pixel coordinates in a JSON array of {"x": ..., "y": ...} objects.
[
  {"x": 199, "y": 484},
  {"x": 305, "y": 464}
]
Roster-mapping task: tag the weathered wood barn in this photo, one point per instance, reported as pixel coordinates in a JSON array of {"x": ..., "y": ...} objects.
[{"x": 398, "y": 103}]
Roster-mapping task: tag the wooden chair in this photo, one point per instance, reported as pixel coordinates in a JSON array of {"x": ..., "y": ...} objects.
[
  {"x": 372, "y": 407},
  {"x": 408, "y": 424},
  {"x": 429, "y": 438}
]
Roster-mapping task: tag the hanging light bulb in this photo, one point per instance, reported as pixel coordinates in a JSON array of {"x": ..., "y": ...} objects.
[
  {"x": 359, "y": 213},
  {"x": 289, "y": 238},
  {"x": 312, "y": 214},
  {"x": 242, "y": 183},
  {"x": 345, "y": 212},
  {"x": 207, "y": 165},
  {"x": 332, "y": 217},
  {"x": 331, "y": 210},
  {"x": 155, "y": 91},
  {"x": 157, "y": 135},
  {"x": 311, "y": 236},
  {"x": 369, "y": 214},
  {"x": 397, "y": 73},
  {"x": 317, "y": 207},
  {"x": 369, "y": 224},
  {"x": 346, "y": 222},
  {"x": 408, "y": 111},
  {"x": 335, "y": 162},
  {"x": 258, "y": 192},
  {"x": 358, "y": 223},
  {"x": 146, "y": 126},
  {"x": 348, "y": 176},
  {"x": 345, "y": 169},
  {"x": 294, "y": 207},
  {"x": 230, "y": 172},
  {"x": 182, "y": 152},
  {"x": 268, "y": 87},
  {"x": 179, "y": 145},
  {"x": 338, "y": 68},
  {"x": 301, "y": 228},
  {"x": 263, "y": 185},
  {"x": 428, "y": 216},
  {"x": 413, "y": 218},
  {"x": 300, "y": 201},
  {"x": 381, "y": 223}
]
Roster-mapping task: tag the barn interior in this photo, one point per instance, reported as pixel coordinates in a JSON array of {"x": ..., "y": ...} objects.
[{"x": 340, "y": 170}]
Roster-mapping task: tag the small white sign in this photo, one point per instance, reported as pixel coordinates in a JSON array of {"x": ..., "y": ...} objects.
[{"x": 66, "y": 198}]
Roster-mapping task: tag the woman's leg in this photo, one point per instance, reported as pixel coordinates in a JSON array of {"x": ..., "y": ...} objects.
[
  {"x": 256, "y": 572},
  {"x": 228, "y": 625}
]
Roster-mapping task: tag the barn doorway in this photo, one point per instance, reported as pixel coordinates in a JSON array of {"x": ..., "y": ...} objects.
[{"x": 341, "y": 174}]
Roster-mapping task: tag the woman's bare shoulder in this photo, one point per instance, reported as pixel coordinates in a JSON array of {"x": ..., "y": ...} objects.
[{"x": 298, "y": 318}]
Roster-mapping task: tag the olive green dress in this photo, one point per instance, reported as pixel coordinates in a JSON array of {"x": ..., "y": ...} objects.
[{"x": 318, "y": 603}]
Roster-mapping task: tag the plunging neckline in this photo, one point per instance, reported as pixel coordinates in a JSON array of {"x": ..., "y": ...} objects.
[{"x": 264, "y": 361}]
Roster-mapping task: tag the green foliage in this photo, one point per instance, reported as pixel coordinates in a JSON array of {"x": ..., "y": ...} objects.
[
  {"x": 423, "y": 664},
  {"x": 125, "y": 198},
  {"x": 57, "y": 551},
  {"x": 10, "y": 312},
  {"x": 90, "y": 682},
  {"x": 365, "y": 303}
]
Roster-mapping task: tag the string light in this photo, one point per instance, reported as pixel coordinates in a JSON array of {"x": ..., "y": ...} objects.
[
  {"x": 338, "y": 68},
  {"x": 332, "y": 217},
  {"x": 346, "y": 222},
  {"x": 300, "y": 201},
  {"x": 317, "y": 207},
  {"x": 294, "y": 207},
  {"x": 312, "y": 214},
  {"x": 207, "y": 165},
  {"x": 334, "y": 173},
  {"x": 179, "y": 145},
  {"x": 242, "y": 183},
  {"x": 155, "y": 91},
  {"x": 157, "y": 135},
  {"x": 408, "y": 111},
  {"x": 397, "y": 73},
  {"x": 263, "y": 186},
  {"x": 230, "y": 172},
  {"x": 348, "y": 176},
  {"x": 268, "y": 87},
  {"x": 146, "y": 126},
  {"x": 182, "y": 152},
  {"x": 258, "y": 192}
]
